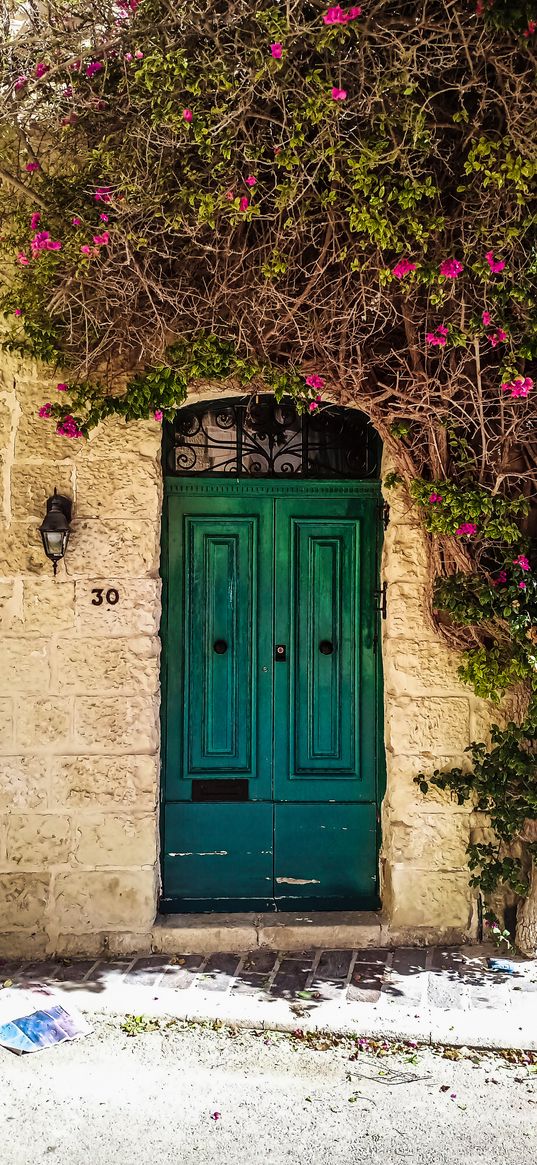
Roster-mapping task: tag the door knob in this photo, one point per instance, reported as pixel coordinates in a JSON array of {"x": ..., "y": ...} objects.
[
  {"x": 220, "y": 647},
  {"x": 326, "y": 647}
]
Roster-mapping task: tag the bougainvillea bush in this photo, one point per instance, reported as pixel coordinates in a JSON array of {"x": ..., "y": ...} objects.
[{"x": 336, "y": 202}]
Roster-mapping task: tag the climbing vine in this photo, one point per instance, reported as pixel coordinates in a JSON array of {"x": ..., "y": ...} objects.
[{"x": 334, "y": 202}]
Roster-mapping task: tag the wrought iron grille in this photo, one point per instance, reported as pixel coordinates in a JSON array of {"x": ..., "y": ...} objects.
[{"x": 261, "y": 438}]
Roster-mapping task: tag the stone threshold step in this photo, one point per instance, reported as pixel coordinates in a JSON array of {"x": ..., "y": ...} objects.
[{"x": 237, "y": 933}]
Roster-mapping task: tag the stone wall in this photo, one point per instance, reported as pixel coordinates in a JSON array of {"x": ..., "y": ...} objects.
[
  {"x": 79, "y": 682},
  {"x": 79, "y": 701},
  {"x": 430, "y": 717}
]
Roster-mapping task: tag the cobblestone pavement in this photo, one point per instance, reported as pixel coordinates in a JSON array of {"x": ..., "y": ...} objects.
[{"x": 436, "y": 994}]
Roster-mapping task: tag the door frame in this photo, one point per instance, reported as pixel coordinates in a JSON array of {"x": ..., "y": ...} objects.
[{"x": 274, "y": 486}]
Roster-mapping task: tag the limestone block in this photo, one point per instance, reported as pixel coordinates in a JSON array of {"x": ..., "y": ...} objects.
[
  {"x": 48, "y": 604},
  {"x": 403, "y": 796},
  {"x": 24, "y": 945},
  {"x": 5, "y": 423},
  {"x": 98, "y": 900},
  {"x": 10, "y": 606},
  {"x": 21, "y": 551},
  {"x": 116, "y": 839},
  {"x": 23, "y": 782},
  {"x": 137, "y": 611},
  {"x": 38, "y": 839},
  {"x": 115, "y": 438},
  {"x": 25, "y": 665},
  {"x": 42, "y": 722},
  {"x": 81, "y": 782},
  {"x": 433, "y": 725},
  {"x": 402, "y": 509},
  {"x": 37, "y": 440},
  {"x": 483, "y": 716},
  {"x": 116, "y": 488},
  {"x": 404, "y": 555},
  {"x": 407, "y": 615},
  {"x": 114, "y": 665},
  {"x": 414, "y": 667},
  {"x": 128, "y": 549},
  {"x": 414, "y": 897},
  {"x": 125, "y": 723},
  {"x": 23, "y": 898},
  {"x": 436, "y": 841},
  {"x": 6, "y": 724},
  {"x": 32, "y": 483}
]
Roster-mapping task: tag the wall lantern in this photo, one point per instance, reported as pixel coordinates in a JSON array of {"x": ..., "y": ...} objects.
[{"x": 55, "y": 529}]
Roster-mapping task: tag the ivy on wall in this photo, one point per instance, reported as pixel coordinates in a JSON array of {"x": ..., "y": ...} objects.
[{"x": 334, "y": 202}]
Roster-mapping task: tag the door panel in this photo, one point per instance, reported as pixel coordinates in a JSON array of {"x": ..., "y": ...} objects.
[
  {"x": 219, "y": 856},
  {"x": 220, "y": 635},
  {"x": 324, "y": 855},
  {"x": 325, "y": 570}
]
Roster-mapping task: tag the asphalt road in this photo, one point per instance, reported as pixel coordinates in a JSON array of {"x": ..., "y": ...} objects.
[{"x": 152, "y": 1098}]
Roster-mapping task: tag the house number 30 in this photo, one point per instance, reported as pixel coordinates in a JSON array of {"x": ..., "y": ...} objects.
[{"x": 111, "y": 597}]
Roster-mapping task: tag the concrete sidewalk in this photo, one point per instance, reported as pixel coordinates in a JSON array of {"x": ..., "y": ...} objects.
[{"x": 437, "y": 995}]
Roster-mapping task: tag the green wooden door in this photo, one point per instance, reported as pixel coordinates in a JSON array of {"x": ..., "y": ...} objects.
[{"x": 271, "y": 689}]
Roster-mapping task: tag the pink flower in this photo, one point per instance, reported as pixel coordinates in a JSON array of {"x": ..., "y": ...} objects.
[
  {"x": 128, "y": 56},
  {"x": 501, "y": 578},
  {"x": 76, "y": 221},
  {"x": 45, "y": 410},
  {"x": 216, "y": 1116},
  {"x": 102, "y": 194},
  {"x": 17, "y": 312},
  {"x": 187, "y": 114},
  {"x": 334, "y": 15},
  {"x": 403, "y": 267},
  {"x": 338, "y": 94},
  {"x": 466, "y": 528},
  {"x": 532, "y": 27},
  {"x": 158, "y": 414},
  {"x": 438, "y": 338},
  {"x": 497, "y": 337},
  {"x": 103, "y": 217},
  {"x": 41, "y": 69},
  {"x": 276, "y": 50},
  {"x": 486, "y": 317},
  {"x": 43, "y": 242},
  {"x": 250, "y": 180},
  {"x": 68, "y": 91},
  {"x": 68, "y": 428},
  {"x": 35, "y": 220},
  {"x": 31, "y": 167},
  {"x": 496, "y": 265},
  {"x": 522, "y": 562},
  {"x": 314, "y": 404},
  {"x": 337, "y": 15},
  {"x": 520, "y": 386},
  {"x": 315, "y": 381},
  {"x": 244, "y": 203},
  {"x": 101, "y": 240},
  {"x": 22, "y": 259},
  {"x": 434, "y": 498},
  {"x": 62, "y": 387},
  {"x": 139, "y": 55},
  {"x": 450, "y": 268},
  {"x": 20, "y": 83},
  {"x": 522, "y": 586},
  {"x": 93, "y": 68},
  {"x": 87, "y": 250},
  {"x": 230, "y": 195}
]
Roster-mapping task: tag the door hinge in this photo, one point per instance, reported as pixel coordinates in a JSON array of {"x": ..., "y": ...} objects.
[{"x": 382, "y": 594}]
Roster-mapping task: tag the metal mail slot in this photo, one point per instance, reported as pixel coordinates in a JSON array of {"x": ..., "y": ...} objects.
[{"x": 230, "y": 789}]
